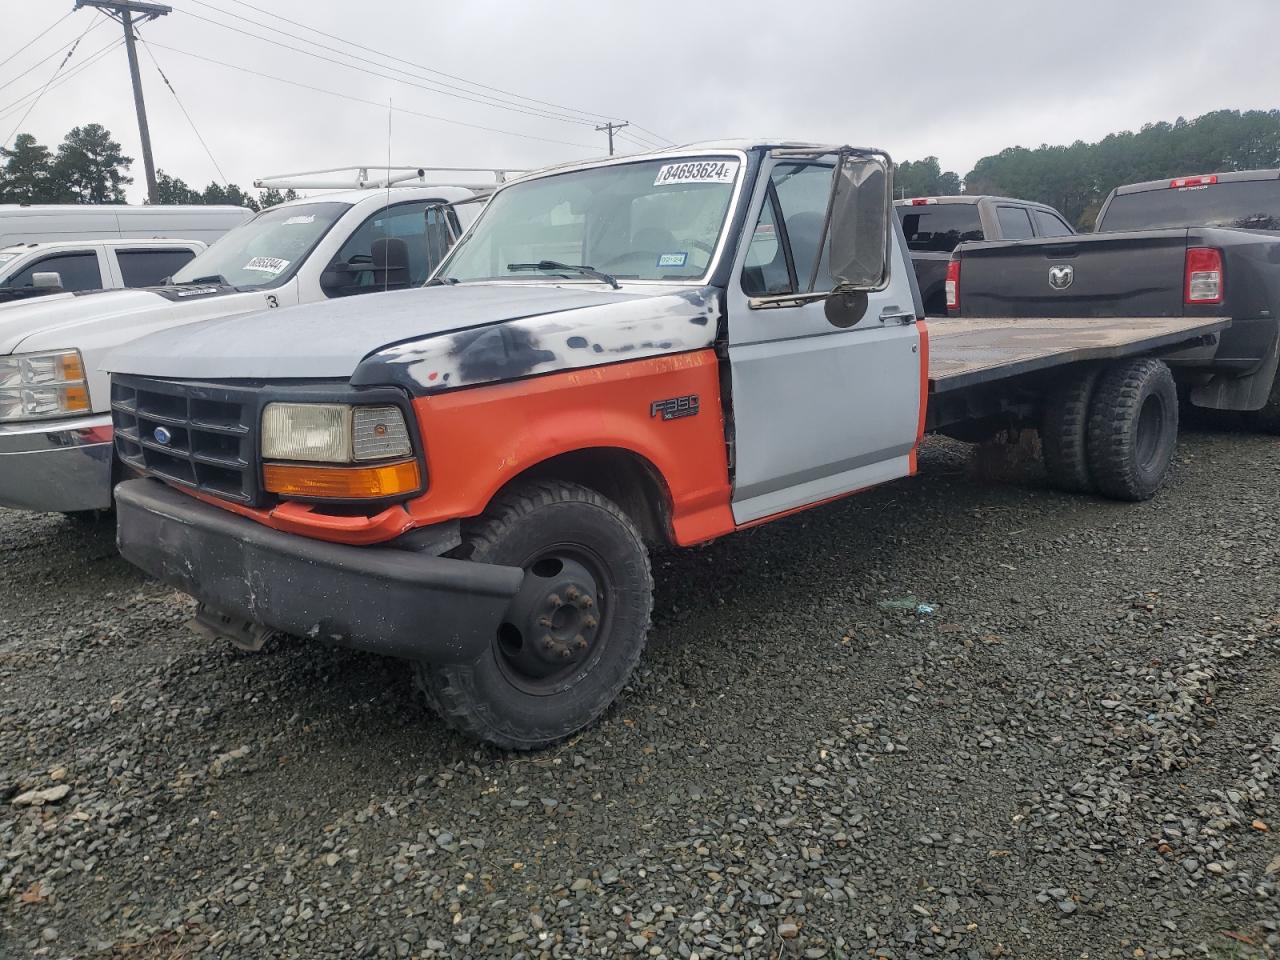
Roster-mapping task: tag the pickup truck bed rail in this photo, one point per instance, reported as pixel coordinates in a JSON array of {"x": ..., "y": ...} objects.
[{"x": 967, "y": 351}]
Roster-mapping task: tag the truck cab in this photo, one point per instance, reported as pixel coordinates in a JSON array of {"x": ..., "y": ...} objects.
[
  {"x": 618, "y": 353},
  {"x": 933, "y": 226},
  {"x": 77, "y": 266},
  {"x": 55, "y": 419}
]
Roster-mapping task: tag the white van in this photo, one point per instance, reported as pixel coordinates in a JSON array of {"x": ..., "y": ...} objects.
[
  {"x": 73, "y": 266},
  {"x": 38, "y": 223}
]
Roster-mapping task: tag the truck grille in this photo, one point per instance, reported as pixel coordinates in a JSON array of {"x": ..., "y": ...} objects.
[{"x": 197, "y": 435}]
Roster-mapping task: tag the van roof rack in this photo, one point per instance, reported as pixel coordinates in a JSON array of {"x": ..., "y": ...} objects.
[{"x": 380, "y": 176}]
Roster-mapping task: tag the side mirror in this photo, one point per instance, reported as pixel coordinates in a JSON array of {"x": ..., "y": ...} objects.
[
  {"x": 861, "y": 204},
  {"x": 47, "y": 281}
]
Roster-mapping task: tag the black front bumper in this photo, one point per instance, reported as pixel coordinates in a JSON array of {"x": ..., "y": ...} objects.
[{"x": 388, "y": 601}]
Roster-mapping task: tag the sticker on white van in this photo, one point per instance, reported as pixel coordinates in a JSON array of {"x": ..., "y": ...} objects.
[
  {"x": 292, "y": 221},
  {"x": 271, "y": 265},
  {"x": 699, "y": 171}
]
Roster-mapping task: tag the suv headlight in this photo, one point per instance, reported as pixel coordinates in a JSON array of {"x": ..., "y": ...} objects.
[
  {"x": 359, "y": 440},
  {"x": 36, "y": 386}
]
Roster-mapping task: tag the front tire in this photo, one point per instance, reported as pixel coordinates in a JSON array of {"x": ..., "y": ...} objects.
[{"x": 572, "y": 635}]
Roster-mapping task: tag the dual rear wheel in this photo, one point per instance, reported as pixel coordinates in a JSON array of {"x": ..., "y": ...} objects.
[{"x": 1112, "y": 429}]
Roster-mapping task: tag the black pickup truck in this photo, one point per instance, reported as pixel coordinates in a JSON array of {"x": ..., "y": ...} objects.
[
  {"x": 934, "y": 225},
  {"x": 1192, "y": 246}
]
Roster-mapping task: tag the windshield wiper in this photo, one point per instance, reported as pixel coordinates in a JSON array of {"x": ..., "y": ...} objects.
[
  {"x": 211, "y": 278},
  {"x": 586, "y": 271}
]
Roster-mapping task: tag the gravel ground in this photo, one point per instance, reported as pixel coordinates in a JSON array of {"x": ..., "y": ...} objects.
[{"x": 1076, "y": 755}]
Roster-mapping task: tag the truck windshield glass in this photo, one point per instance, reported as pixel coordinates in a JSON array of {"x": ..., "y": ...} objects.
[
  {"x": 651, "y": 220},
  {"x": 1248, "y": 204},
  {"x": 267, "y": 250},
  {"x": 939, "y": 226}
]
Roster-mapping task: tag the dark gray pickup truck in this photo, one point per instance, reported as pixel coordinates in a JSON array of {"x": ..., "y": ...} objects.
[
  {"x": 1192, "y": 246},
  {"x": 934, "y": 225}
]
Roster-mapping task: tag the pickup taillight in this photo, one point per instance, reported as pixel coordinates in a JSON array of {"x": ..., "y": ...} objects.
[
  {"x": 1204, "y": 282},
  {"x": 953, "y": 284}
]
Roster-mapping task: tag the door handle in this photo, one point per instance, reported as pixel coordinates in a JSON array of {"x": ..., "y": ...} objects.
[{"x": 893, "y": 313}]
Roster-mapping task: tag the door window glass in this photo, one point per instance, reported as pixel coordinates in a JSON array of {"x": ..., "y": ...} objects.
[
  {"x": 1014, "y": 223},
  {"x": 389, "y": 251},
  {"x": 149, "y": 268},
  {"x": 1050, "y": 225},
  {"x": 79, "y": 271},
  {"x": 802, "y": 190}
]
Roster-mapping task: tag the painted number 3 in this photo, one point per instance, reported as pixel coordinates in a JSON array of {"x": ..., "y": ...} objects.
[{"x": 272, "y": 302}]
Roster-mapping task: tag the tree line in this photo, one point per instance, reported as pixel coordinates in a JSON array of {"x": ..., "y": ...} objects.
[
  {"x": 1077, "y": 178},
  {"x": 90, "y": 167}
]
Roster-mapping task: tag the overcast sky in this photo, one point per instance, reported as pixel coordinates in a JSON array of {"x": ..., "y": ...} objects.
[{"x": 957, "y": 79}]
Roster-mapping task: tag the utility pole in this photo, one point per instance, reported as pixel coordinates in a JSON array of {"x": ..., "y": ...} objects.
[
  {"x": 124, "y": 11},
  {"x": 612, "y": 127}
]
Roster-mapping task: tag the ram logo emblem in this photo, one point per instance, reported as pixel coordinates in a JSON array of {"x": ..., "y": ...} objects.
[{"x": 1061, "y": 276}]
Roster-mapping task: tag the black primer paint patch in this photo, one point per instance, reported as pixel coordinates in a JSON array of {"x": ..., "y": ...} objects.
[
  {"x": 492, "y": 353},
  {"x": 578, "y": 343}
]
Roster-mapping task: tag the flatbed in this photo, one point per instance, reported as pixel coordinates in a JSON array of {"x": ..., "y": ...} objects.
[{"x": 968, "y": 351}]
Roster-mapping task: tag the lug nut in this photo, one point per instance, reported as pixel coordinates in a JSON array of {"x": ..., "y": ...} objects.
[
  {"x": 572, "y": 593},
  {"x": 590, "y": 622},
  {"x": 554, "y": 602}
]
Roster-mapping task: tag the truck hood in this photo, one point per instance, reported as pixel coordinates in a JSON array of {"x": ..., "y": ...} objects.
[
  {"x": 330, "y": 339},
  {"x": 67, "y": 320}
]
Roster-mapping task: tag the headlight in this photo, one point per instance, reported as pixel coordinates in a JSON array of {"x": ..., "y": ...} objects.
[
  {"x": 36, "y": 386},
  {"x": 333, "y": 433}
]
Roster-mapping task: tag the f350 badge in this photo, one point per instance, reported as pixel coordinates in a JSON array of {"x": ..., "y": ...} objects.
[
  {"x": 1061, "y": 275},
  {"x": 675, "y": 408}
]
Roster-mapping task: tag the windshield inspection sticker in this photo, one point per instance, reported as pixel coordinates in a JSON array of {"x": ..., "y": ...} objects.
[
  {"x": 271, "y": 265},
  {"x": 673, "y": 259},
  {"x": 296, "y": 220},
  {"x": 700, "y": 171}
]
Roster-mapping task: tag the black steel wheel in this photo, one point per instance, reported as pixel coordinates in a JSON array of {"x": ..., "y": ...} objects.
[{"x": 572, "y": 634}]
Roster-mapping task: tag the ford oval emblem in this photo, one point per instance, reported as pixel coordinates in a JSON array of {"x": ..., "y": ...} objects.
[{"x": 163, "y": 436}]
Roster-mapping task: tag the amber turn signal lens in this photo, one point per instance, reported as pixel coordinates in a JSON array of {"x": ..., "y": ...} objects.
[{"x": 342, "y": 483}]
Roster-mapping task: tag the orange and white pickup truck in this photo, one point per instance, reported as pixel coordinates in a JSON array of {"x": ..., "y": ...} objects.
[{"x": 648, "y": 350}]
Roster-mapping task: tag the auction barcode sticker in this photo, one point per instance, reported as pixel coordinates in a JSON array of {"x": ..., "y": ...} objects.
[
  {"x": 697, "y": 171},
  {"x": 271, "y": 265}
]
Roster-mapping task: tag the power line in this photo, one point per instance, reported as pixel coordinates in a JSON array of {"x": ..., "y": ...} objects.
[
  {"x": 62, "y": 63},
  {"x": 221, "y": 176},
  {"x": 354, "y": 99},
  {"x": 435, "y": 87},
  {"x": 43, "y": 61},
  {"x": 507, "y": 93},
  {"x": 660, "y": 139},
  {"x": 86, "y": 64},
  {"x": 27, "y": 46}
]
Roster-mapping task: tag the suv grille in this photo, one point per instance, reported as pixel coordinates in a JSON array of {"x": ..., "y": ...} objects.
[{"x": 198, "y": 435}]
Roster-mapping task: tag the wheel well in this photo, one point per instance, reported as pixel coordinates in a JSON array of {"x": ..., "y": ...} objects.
[{"x": 626, "y": 478}]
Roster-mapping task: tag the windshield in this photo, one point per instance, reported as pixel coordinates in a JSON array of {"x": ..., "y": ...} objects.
[
  {"x": 1248, "y": 204},
  {"x": 266, "y": 250},
  {"x": 939, "y": 226},
  {"x": 650, "y": 220}
]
